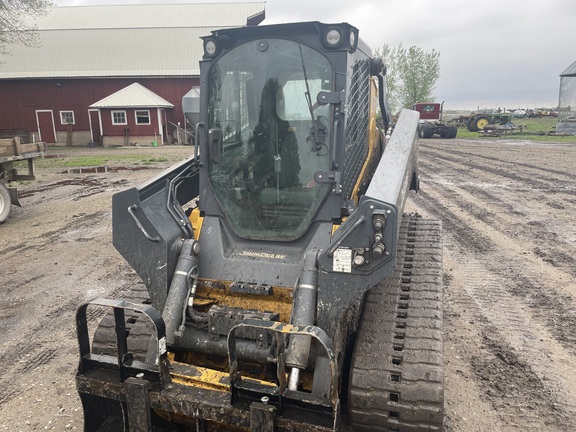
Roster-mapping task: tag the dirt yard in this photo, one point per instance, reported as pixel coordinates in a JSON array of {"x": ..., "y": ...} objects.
[{"x": 508, "y": 211}]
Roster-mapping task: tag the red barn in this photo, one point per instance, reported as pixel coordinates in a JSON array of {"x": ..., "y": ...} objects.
[{"x": 140, "y": 58}]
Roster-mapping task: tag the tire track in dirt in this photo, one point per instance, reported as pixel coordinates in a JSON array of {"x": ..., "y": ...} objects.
[
  {"x": 519, "y": 320},
  {"x": 57, "y": 254},
  {"x": 553, "y": 297},
  {"x": 517, "y": 353},
  {"x": 507, "y": 205},
  {"x": 487, "y": 285},
  {"x": 508, "y": 169},
  {"x": 522, "y": 179},
  {"x": 503, "y": 180},
  {"x": 495, "y": 222},
  {"x": 58, "y": 317},
  {"x": 51, "y": 237},
  {"x": 502, "y": 212},
  {"x": 73, "y": 189},
  {"x": 530, "y": 152},
  {"x": 35, "y": 349}
]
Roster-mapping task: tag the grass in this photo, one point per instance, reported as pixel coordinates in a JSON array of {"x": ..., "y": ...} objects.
[
  {"x": 92, "y": 161},
  {"x": 66, "y": 157},
  {"x": 534, "y": 129}
]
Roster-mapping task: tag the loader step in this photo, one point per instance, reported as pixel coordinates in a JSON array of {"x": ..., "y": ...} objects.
[{"x": 396, "y": 377}]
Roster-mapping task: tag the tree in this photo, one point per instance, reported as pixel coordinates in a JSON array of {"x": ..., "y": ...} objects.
[
  {"x": 411, "y": 74},
  {"x": 16, "y": 22}
]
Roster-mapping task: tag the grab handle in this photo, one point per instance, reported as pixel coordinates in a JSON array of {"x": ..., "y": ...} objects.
[{"x": 131, "y": 210}]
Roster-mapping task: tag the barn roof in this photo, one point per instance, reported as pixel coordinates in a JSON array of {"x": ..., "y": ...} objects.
[
  {"x": 133, "y": 96},
  {"x": 570, "y": 71},
  {"x": 148, "y": 40}
]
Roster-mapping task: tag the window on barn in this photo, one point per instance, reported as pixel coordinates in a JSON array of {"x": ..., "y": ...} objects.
[
  {"x": 119, "y": 117},
  {"x": 66, "y": 117},
  {"x": 142, "y": 117}
]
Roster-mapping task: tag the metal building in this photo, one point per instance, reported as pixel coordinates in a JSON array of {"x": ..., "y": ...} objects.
[
  {"x": 567, "y": 101},
  {"x": 89, "y": 53}
]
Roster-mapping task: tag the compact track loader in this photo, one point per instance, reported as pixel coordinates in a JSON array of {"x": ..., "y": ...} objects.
[{"x": 283, "y": 287}]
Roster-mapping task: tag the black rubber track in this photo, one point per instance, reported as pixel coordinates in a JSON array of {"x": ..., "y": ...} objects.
[
  {"x": 138, "y": 331},
  {"x": 397, "y": 371}
]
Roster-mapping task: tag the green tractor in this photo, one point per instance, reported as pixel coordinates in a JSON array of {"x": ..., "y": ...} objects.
[{"x": 477, "y": 122}]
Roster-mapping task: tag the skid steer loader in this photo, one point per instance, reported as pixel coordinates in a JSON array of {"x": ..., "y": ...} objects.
[{"x": 285, "y": 290}]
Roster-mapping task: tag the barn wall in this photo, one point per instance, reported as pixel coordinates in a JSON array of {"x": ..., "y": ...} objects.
[
  {"x": 22, "y": 98},
  {"x": 78, "y": 138}
]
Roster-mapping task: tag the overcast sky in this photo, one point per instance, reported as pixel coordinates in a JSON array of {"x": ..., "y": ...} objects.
[{"x": 493, "y": 53}]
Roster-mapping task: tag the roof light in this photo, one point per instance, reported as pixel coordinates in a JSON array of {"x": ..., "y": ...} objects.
[
  {"x": 333, "y": 38},
  {"x": 210, "y": 48},
  {"x": 352, "y": 39}
]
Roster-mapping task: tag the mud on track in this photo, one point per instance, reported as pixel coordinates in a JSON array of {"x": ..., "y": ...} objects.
[{"x": 510, "y": 283}]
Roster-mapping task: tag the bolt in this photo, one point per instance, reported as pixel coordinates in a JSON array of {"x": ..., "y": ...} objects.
[
  {"x": 378, "y": 249},
  {"x": 196, "y": 248},
  {"x": 140, "y": 375},
  {"x": 358, "y": 260},
  {"x": 265, "y": 400}
]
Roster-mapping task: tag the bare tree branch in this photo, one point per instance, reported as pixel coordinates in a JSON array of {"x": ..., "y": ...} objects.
[{"x": 16, "y": 22}]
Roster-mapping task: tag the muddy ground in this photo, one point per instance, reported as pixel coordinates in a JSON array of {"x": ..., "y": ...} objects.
[{"x": 510, "y": 282}]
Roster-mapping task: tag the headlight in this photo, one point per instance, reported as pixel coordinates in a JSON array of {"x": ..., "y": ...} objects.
[
  {"x": 333, "y": 38},
  {"x": 210, "y": 48},
  {"x": 352, "y": 39}
]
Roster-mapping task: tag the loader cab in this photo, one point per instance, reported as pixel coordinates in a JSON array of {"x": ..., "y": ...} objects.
[
  {"x": 263, "y": 161},
  {"x": 273, "y": 105}
]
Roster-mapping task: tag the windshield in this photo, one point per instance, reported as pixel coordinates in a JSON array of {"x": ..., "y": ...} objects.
[{"x": 275, "y": 137}]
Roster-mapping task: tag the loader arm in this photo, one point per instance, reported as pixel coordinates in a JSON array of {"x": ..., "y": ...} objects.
[{"x": 366, "y": 241}]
